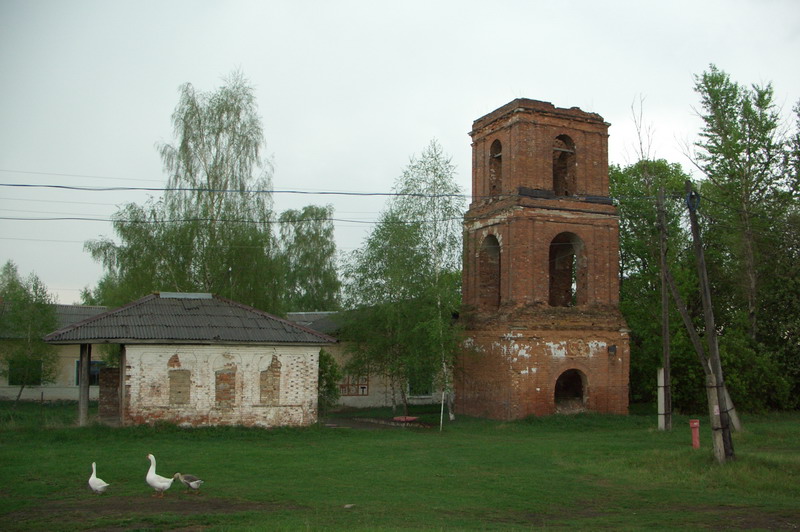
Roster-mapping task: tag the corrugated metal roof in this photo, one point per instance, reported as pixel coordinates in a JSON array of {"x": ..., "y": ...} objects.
[
  {"x": 69, "y": 314},
  {"x": 65, "y": 314},
  {"x": 324, "y": 322},
  {"x": 186, "y": 318}
]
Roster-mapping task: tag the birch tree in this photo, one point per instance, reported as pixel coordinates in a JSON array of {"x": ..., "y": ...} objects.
[
  {"x": 211, "y": 231},
  {"x": 403, "y": 283},
  {"x": 308, "y": 247}
]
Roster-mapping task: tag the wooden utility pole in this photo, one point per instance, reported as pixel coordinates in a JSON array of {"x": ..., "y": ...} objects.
[
  {"x": 665, "y": 392},
  {"x": 718, "y": 382}
]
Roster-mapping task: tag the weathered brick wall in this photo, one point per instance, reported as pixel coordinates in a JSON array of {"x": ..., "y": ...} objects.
[
  {"x": 108, "y": 409},
  {"x": 221, "y": 385},
  {"x": 526, "y": 130},
  {"x": 540, "y": 187},
  {"x": 508, "y": 371},
  {"x": 525, "y": 228}
]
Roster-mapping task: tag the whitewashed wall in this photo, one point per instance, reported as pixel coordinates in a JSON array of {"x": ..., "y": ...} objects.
[{"x": 147, "y": 385}]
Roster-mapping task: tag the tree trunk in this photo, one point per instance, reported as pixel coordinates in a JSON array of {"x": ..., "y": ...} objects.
[{"x": 19, "y": 394}]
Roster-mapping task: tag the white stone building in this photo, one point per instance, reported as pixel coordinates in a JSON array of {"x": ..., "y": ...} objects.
[{"x": 199, "y": 359}]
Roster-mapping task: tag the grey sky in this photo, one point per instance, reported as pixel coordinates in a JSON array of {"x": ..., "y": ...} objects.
[{"x": 347, "y": 91}]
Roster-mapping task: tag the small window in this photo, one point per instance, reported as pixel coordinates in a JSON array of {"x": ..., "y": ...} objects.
[
  {"x": 564, "y": 166},
  {"x": 495, "y": 167},
  {"x": 420, "y": 384},
  {"x": 94, "y": 372},
  {"x": 489, "y": 273},
  {"x": 354, "y": 385}
]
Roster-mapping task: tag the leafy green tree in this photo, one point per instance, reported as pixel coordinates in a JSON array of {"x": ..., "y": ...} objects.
[
  {"x": 308, "y": 247},
  {"x": 635, "y": 187},
  {"x": 27, "y": 315},
  {"x": 403, "y": 283},
  {"x": 742, "y": 153},
  {"x": 211, "y": 231},
  {"x": 330, "y": 374},
  {"x": 749, "y": 208}
]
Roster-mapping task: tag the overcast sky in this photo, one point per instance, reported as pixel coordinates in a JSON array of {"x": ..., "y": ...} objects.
[{"x": 347, "y": 91}]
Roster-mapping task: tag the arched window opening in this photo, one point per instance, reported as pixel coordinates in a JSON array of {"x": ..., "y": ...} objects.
[
  {"x": 489, "y": 273},
  {"x": 564, "y": 166},
  {"x": 495, "y": 167},
  {"x": 568, "y": 271},
  {"x": 570, "y": 393}
]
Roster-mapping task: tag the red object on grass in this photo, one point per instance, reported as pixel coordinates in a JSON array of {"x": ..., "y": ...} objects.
[
  {"x": 694, "y": 424},
  {"x": 405, "y": 419}
]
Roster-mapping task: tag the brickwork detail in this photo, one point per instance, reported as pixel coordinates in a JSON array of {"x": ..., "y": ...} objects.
[
  {"x": 180, "y": 385},
  {"x": 108, "y": 409},
  {"x": 220, "y": 385},
  {"x": 271, "y": 383},
  {"x": 225, "y": 387},
  {"x": 540, "y": 284}
]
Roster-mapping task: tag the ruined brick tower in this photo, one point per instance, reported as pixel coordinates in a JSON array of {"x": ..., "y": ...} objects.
[{"x": 540, "y": 279}]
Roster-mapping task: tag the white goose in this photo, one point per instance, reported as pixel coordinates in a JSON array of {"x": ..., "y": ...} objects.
[
  {"x": 97, "y": 485},
  {"x": 157, "y": 482}
]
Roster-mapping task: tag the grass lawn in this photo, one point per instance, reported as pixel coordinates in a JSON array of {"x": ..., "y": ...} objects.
[{"x": 583, "y": 472}]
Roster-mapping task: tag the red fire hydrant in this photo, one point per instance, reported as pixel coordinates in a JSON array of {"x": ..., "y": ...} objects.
[{"x": 695, "y": 425}]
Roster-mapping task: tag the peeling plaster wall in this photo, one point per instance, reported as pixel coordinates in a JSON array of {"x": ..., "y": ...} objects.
[
  {"x": 224, "y": 385},
  {"x": 513, "y": 375}
]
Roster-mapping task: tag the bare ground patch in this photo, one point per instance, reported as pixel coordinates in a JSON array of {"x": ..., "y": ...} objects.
[{"x": 77, "y": 513}]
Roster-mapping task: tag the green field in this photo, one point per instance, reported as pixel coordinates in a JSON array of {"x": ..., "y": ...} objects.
[{"x": 583, "y": 472}]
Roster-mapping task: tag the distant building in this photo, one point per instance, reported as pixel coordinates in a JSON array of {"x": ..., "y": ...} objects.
[
  {"x": 199, "y": 359},
  {"x": 66, "y": 383},
  {"x": 358, "y": 391}
]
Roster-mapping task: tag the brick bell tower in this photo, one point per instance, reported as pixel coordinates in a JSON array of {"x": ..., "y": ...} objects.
[{"x": 541, "y": 258}]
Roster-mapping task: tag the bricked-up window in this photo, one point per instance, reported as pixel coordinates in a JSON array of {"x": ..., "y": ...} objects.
[
  {"x": 568, "y": 272},
  {"x": 225, "y": 387},
  {"x": 495, "y": 167},
  {"x": 489, "y": 273},
  {"x": 570, "y": 392},
  {"x": 564, "y": 166},
  {"x": 271, "y": 383},
  {"x": 179, "y": 386}
]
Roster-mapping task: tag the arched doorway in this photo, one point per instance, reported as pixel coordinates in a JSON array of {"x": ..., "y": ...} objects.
[{"x": 571, "y": 392}]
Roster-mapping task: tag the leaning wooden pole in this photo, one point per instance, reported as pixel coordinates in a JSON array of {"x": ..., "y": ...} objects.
[{"x": 692, "y": 202}]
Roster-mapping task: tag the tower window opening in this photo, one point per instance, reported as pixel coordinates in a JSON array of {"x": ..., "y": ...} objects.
[
  {"x": 564, "y": 166},
  {"x": 568, "y": 271},
  {"x": 489, "y": 273},
  {"x": 495, "y": 167}
]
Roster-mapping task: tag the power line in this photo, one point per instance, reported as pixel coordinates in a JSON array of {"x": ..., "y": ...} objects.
[
  {"x": 79, "y": 175},
  {"x": 231, "y": 191}
]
